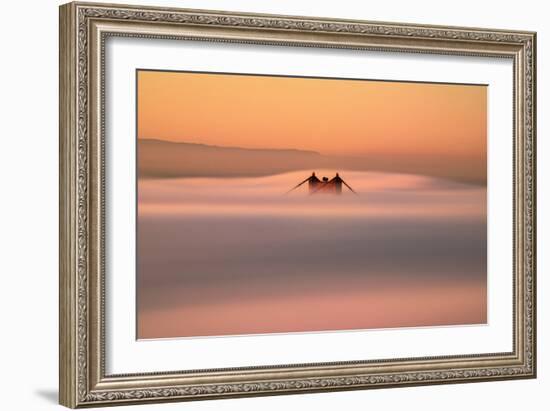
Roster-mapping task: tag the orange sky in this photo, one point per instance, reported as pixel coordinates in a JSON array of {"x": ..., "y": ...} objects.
[{"x": 351, "y": 117}]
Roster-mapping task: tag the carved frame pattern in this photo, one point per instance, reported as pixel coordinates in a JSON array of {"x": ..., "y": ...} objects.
[{"x": 83, "y": 383}]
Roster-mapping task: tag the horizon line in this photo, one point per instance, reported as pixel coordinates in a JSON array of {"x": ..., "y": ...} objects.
[{"x": 300, "y": 150}]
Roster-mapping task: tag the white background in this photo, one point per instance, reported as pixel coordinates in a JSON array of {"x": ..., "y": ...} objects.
[{"x": 28, "y": 217}]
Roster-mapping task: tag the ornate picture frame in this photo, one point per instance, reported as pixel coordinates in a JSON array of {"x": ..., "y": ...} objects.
[{"x": 84, "y": 29}]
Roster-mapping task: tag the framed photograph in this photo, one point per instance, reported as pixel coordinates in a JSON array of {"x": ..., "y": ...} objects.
[{"x": 260, "y": 204}]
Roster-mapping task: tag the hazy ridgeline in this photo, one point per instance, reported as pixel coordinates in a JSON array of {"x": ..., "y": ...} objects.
[{"x": 164, "y": 159}]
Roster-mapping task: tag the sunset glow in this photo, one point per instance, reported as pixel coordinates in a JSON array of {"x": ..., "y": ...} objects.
[{"x": 351, "y": 117}]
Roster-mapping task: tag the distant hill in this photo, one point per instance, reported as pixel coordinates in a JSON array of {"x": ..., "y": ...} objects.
[
  {"x": 165, "y": 159},
  {"x": 157, "y": 158}
]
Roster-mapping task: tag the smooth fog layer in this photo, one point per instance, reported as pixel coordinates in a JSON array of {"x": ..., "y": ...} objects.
[{"x": 237, "y": 256}]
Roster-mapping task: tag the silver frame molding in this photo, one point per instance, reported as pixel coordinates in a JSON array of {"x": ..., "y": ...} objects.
[{"x": 84, "y": 27}]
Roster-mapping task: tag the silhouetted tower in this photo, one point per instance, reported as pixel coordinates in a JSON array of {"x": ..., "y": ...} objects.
[
  {"x": 337, "y": 181},
  {"x": 333, "y": 186},
  {"x": 312, "y": 182}
]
